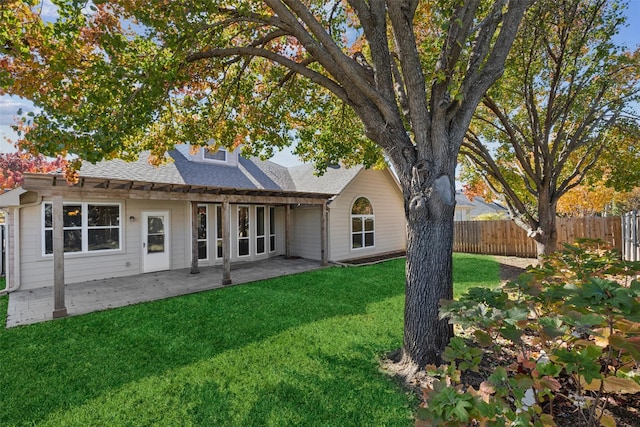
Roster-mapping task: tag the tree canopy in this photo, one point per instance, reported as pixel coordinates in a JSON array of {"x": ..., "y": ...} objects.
[
  {"x": 563, "y": 110},
  {"x": 348, "y": 80},
  {"x": 14, "y": 165}
]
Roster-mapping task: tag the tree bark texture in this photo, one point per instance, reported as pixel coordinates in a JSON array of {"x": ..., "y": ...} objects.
[
  {"x": 429, "y": 195},
  {"x": 429, "y": 279},
  {"x": 546, "y": 235}
]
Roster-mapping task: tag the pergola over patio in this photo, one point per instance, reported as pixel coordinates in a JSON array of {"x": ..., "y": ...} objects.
[{"x": 57, "y": 187}]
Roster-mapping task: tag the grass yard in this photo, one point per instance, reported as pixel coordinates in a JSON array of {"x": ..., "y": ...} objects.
[{"x": 297, "y": 350}]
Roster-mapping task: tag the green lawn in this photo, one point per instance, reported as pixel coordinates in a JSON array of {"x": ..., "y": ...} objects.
[
  {"x": 297, "y": 350},
  {"x": 470, "y": 270}
]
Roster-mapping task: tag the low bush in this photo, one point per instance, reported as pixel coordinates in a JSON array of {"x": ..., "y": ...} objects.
[{"x": 565, "y": 334}]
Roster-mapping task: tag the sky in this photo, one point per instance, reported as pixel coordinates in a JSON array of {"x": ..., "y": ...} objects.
[{"x": 9, "y": 105}]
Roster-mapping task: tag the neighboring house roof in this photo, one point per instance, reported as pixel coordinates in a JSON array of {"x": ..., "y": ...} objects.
[
  {"x": 462, "y": 202},
  {"x": 478, "y": 206},
  {"x": 249, "y": 174},
  {"x": 481, "y": 207}
]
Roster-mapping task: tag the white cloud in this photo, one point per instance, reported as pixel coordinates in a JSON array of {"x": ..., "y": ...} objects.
[
  {"x": 9, "y": 106},
  {"x": 7, "y": 132},
  {"x": 49, "y": 11}
]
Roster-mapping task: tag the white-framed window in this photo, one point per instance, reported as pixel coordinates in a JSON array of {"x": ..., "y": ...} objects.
[
  {"x": 203, "y": 232},
  {"x": 214, "y": 156},
  {"x": 218, "y": 231},
  {"x": 87, "y": 227},
  {"x": 260, "y": 230},
  {"x": 362, "y": 224},
  {"x": 272, "y": 229},
  {"x": 244, "y": 242}
]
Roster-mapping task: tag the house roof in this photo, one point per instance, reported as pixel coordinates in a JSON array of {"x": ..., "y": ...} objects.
[
  {"x": 483, "y": 207},
  {"x": 334, "y": 180},
  {"x": 182, "y": 177},
  {"x": 250, "y": 174},
  {"x": 462, "y": 201}
]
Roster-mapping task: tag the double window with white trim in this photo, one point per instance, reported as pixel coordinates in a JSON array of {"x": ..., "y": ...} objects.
[{"x": 87, "y": 227}]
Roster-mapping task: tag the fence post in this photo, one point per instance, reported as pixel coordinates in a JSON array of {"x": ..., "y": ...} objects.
[
  {"x": 626, "y": 236},
  {"x": 633, "y": 241}
]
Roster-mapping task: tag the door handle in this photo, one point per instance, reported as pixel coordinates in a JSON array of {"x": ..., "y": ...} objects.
[{"x": 144, "y": 245}]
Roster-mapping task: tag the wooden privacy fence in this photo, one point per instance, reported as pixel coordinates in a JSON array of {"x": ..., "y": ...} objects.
[
  {"x": 504, "y": 237},
  {"x": 630, "y": 236}
]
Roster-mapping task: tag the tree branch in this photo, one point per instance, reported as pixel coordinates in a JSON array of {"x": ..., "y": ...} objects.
[
  {"x": 477, "y": 83},
  {"x": 401, "y": 14},
  {"x": 314, "y": 76},
  {"x": 479, "y": 155},
  {"x": 521, "y": 155},
  {"x": 326, "y": 52}
]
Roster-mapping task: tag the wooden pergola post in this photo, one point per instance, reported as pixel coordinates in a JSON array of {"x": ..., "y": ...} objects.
[
  {"x": 59, "y": 308},
  {"x": 287, "y": 231},
  {"x": 194, "y": 238},
  {"x": 225, "y": 211},
  {"x": 323, "y": 235}
]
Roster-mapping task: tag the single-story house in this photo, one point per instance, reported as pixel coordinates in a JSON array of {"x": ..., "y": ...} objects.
[
  {"x": 202, "y": 208},
  {"x": 471, "y": 210},
  {"x": 463, "y": 207},
  {"x": 481, "y": 207}
]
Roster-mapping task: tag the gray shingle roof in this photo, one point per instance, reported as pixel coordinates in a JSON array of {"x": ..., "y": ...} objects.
[
  {"x": 334, "y": 180},
  {"x": 483, "y": 207},
  {"x": 462, "y": 201},
  {"x": 249, "y": 174}
]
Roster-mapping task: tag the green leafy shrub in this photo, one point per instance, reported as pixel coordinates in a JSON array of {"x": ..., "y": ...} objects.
[{"x": 567, "y": 331}]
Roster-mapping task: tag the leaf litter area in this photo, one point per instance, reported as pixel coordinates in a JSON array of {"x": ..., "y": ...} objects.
[{"x": 567, "y": 371}]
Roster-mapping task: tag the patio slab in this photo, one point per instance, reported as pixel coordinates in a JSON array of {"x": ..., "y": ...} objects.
[{"x": 33, "y": 306}]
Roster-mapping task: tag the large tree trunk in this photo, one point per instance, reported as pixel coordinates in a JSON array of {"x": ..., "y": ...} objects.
[
  {"x": 546, "y": 236},
  {"x": 429, "y": 276}
]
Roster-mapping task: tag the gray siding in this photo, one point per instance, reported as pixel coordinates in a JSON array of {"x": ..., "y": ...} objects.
[
  {"x": 305, "y": 232},
  {"x": 386, "y": 199},
  {"x": 36, "y": 270}
]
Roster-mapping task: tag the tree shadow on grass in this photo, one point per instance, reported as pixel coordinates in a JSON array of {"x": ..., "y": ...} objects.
[
  {"x": 50, "y": 368},
  {"x": 300, "y": 376}
]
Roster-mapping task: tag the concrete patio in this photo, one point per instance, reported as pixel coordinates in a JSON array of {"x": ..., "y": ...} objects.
[{"x": 33, "y": 306}]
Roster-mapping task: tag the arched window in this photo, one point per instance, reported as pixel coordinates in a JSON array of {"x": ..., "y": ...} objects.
[{"x": 362, "y": 224}]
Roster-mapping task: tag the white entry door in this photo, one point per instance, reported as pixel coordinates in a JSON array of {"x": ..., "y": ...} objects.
[{"x": 155, "y": 241}]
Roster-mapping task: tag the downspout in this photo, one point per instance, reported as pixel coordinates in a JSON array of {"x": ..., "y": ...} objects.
[
  {"x": 5, "y": 253},
  {"x": 16, "y": 249}
]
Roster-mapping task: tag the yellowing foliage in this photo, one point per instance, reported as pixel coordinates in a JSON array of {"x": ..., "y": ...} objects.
[{"x": 586, "y": 200}]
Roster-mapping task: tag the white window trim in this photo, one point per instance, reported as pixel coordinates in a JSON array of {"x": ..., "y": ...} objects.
[
  {"x": 363, "y": 232},
  {"x": 218, "y": 238},
  {"x": 205, "y": 159},
  {"x": 248, "y": 238},
  {"x": 84, "y": 229},
  {"x": 265, "y": 224},
  {"x": 272, "y": 212},
  {"x": 206, "y": 225}
]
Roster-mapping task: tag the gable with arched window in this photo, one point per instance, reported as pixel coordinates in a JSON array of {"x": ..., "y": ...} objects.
[{"x": 362, "y": 224}]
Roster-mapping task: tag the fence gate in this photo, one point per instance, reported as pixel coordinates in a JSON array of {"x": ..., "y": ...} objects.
[{"x": 630, "y": 246}]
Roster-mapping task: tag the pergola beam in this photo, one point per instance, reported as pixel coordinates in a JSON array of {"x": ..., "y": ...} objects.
[{"x": 49, "y": 185}]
